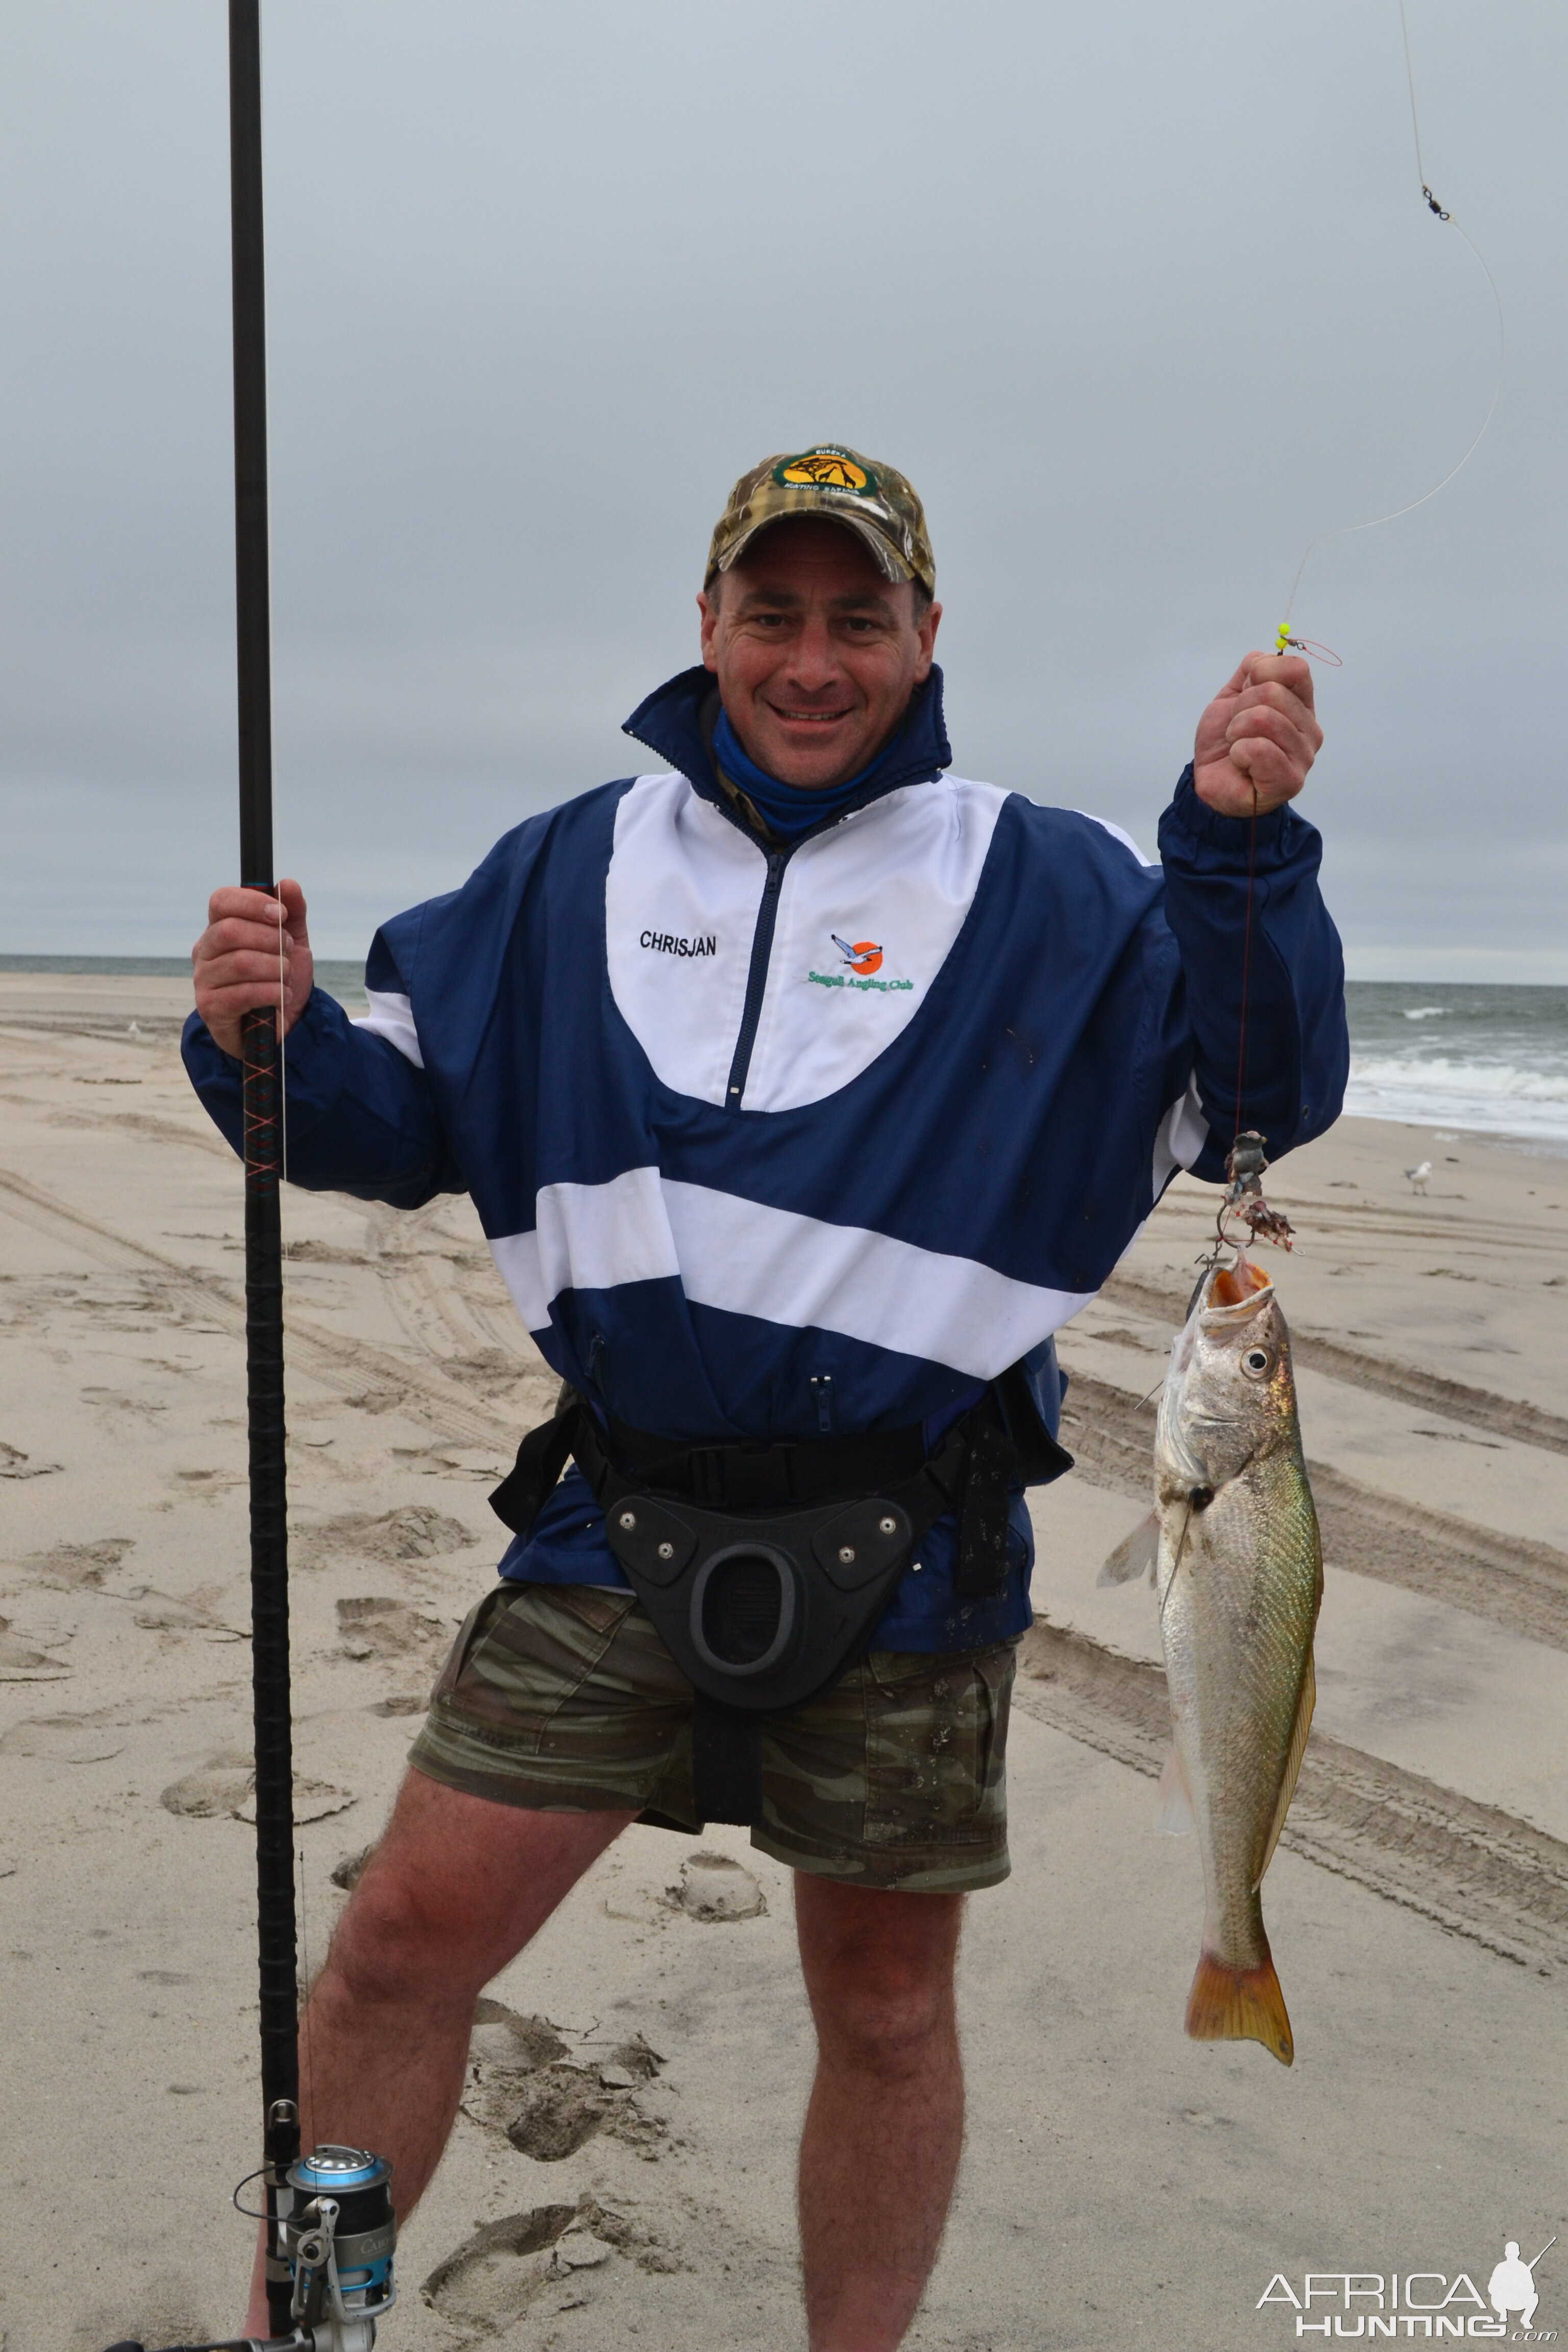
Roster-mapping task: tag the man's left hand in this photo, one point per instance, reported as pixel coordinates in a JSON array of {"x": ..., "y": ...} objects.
[{"x": 1257, "y": 738}]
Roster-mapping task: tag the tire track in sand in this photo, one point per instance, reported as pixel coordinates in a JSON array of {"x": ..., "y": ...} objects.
[
  {"x": 1474, "y": 1869},
  {"x": 1529, "y": 1424},
  {"x": 350, "y": 1367},
  {"x": 1514, "y": 1583}
]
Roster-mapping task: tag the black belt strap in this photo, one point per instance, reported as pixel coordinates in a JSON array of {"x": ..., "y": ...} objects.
[
  {"x": 981, "y": 1567},
  {"x": 541, "y": 1458},
  {"x": 1002, "y": 1440},
  {"x": 726, "y": 1763}
]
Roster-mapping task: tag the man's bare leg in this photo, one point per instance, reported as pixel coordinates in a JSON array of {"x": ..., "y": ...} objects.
[
  {"x": 885, "y": 2125},
  {"x": 454, "y": 1891}
]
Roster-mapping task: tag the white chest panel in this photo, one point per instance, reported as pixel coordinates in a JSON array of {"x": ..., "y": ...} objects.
[
  {"x": 680, "y": 906},
  {"x": 867, "y": 916}
]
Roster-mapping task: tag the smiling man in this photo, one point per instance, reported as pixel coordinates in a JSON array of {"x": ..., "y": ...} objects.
[{"x": 804, "y": 1090}]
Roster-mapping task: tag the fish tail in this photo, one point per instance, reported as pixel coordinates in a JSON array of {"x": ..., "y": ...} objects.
[{"x": 1228, "y": 2004}]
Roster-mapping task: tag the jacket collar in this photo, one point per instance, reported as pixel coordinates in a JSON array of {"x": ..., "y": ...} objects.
[{"x": 677, "y": 719}]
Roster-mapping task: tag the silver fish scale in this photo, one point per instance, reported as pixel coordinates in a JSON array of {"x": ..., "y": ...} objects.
[
  {"x": 1237, "y": 1618},
  {"x": 1240, "y": 1579}
]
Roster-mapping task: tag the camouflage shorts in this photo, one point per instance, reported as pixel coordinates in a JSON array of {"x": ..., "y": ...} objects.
[{"x": 561, "y": 1698}]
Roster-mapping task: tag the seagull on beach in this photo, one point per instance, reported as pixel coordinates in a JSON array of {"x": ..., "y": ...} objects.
[{"x": 1418, "y": 1177}]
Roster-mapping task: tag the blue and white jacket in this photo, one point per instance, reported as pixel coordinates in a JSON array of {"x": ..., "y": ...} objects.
[{"x": 768, "y": 1139}]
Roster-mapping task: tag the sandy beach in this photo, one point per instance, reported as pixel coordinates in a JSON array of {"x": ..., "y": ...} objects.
[{"x": 620, "y": 2180}]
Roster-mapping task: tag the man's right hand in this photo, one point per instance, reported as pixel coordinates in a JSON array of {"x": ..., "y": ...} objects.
[{"x": 237, "y": 960}]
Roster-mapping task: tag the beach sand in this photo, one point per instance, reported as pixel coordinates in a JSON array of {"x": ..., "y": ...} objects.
[{"x": 1122, "y": 2185}]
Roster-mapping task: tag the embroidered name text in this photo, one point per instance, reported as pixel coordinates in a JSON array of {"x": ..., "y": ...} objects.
[{"x": 671, "y": 943}]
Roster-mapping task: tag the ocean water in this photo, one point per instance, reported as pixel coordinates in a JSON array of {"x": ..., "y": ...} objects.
[
  {"x": 1489, "y": 1058},
  {"x": 345, "y": 981}
]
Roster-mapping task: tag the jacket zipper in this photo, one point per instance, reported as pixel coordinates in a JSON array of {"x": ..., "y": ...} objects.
[{"x": 757, "y": 976}]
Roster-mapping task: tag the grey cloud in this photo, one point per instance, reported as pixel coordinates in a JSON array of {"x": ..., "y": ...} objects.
[{"x": 1141, "y": 297}]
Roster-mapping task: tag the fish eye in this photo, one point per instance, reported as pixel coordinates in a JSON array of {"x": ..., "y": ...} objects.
[{"x": 1256, "y": 1362}]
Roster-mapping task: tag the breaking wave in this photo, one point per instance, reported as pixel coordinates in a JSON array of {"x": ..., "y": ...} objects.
[{"x": 1498, "y": 1098}]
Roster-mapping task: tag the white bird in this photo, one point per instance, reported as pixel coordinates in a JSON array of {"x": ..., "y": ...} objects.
[{"x": 1418, "y": 1176}]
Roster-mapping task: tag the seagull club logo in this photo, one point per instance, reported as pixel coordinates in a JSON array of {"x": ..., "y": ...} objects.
[
  {"x": 860, "y": 960},
  {"x": 864, "y": 956},
  {"x": 826, "y": 470}
]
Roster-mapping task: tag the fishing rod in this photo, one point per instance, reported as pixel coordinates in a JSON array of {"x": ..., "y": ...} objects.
[
  {"x": 276, "y": 1952},
  {"x": 328, "y": 2217}
]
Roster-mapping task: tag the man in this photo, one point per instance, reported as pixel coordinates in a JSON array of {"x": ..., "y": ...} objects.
[
  {"x": 803, "y": 1091},
  {"x": 1511, "y": 2286}
]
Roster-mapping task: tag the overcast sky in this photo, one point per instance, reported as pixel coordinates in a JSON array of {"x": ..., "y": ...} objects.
[{"x": 1141, "y": 297}]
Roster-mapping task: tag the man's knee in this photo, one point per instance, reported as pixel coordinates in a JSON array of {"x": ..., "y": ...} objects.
[
  {"x": 880, "y": 1972},
  {"x": 455, "y": 1889},
  {"x": 397, "y": 1942}
]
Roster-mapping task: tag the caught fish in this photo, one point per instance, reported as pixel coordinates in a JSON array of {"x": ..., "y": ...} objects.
[{"x": 1238, "y": 1565}]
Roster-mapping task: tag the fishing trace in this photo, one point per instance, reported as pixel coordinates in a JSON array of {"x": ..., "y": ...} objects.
[{"x": 1287, "y": 638}]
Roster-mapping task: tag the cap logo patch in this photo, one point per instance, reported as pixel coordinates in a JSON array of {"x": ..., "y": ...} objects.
[{"x": 826, "y": 470}]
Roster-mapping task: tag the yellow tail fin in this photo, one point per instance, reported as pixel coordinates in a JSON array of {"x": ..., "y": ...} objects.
[{"x": 1239, "y": 2005}]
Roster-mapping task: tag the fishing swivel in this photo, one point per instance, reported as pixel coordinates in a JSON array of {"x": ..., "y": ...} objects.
[
  {"x": 1284, "y": 643},
  {"x": 1245, "y": 1169}
]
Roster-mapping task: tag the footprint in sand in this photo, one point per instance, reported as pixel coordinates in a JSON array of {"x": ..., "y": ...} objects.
[
  {"x": 225, "y": 1785},
  {"x": 20, "y": 1663},
  {"x": 712, "y": 1888},
  {"x": 374, "y": 1625},
  {"x": 315, "y": 1800},
  {"x": 159, "y": 1612},
  {"x": 506, "y": 2050},
  {"x": 216, "y": 1789},
  {"x": 63, "y": 1739},
  {"x": 78, "y": 1568},
  {"x": 490, "y": 2280},
  {"x": 505, "y": 2038},
  {"x": 413, "y": 1531},
  {"x": 347, "y": 1876},
  {"x": 16, "y": 1465},
  {"x": 525, "y": 2082}
]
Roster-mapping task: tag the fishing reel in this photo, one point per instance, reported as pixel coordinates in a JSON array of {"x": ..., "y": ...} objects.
[
  {"x": 335, "y": 2236},
  {"x": 337, "y": 2239}
]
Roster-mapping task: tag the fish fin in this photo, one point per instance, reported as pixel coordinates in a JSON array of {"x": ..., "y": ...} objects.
[
  {"x": 1139, "y": 1551},
  {"x": 1228, "y": 2004},
  {"x": 1299, "y": 1730},
  {"x": 1173, "y": 1806}
]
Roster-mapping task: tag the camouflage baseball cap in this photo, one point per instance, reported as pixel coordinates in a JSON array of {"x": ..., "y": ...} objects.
[{"x": 840, "y": 486}]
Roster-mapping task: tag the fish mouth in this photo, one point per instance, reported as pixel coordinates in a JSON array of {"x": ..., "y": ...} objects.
[{"x": 1233, "y": 1295}]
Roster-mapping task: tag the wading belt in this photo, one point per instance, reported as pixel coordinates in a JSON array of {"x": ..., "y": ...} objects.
[{"x": 765, "y": 1567}]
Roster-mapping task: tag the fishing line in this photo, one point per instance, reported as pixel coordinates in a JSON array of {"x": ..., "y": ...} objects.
[
  {"x": 305, "y": 1964},
  {"x": 1244, "y": 1166},
  {"x": 1245, "y": 956},
  {"x": 1284, "y": 639}
]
